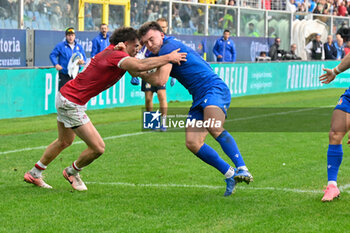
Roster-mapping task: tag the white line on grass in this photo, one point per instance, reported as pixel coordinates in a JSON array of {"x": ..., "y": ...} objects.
[
  {"x": 77, "y": 142},
  {"x": 139, "y": 133},
  {"x": 342, "y": 188}
]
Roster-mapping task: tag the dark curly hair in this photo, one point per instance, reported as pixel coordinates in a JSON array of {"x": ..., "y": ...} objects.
[
  {"x": 148, "y": 26},
  {"x": 123, "y": 34}
]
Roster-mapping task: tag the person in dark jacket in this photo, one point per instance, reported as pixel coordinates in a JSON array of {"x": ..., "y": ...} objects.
[
  {"x": 291, "y": 55},
  {"x": 100, "y": 42},
  {"x": 315, "y": 48},
  {"x": 62, "y": 53},
  {"x": 224, "y": 48},
  {"x": 330, "y": 51},
  {"x": 275, "y": 53}
]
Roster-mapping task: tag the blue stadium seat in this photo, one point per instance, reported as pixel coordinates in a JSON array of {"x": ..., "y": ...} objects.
[
  {"x": 14, "y": 23},
  {"x": 7, "y": 23}
]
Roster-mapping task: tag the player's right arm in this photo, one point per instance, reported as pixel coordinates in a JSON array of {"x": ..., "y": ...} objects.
[
  {"x": 53, "y": 57},
  {"x": 158, "y": 78},
  {"x": 136, "y": 65},
  {"x": 330, "y": 74}
]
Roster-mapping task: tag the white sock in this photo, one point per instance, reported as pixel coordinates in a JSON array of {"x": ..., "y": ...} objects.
[
  {"x": 230, "y": 172},
  {"x": 73, "y": 169},
  {"x": 332, "y": 182},
  {"x": 38, "y": 169},
  {"x": 242, "y": 168}
]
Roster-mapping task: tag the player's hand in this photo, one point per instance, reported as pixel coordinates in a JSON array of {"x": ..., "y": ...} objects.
[
  {"x": 177, "y": 57},
  {"x": 58, "y": 67},
  {"x": 81, "y": 61},
  {"x": 327, "y": 77},
  {"x": 120, "y": 46},
  {"x": 219, "y": 56}
]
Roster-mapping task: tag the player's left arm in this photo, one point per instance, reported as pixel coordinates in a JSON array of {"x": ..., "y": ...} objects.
[
  {"x": 330, "y": 74},
  {"x": 158, "y": 78}
]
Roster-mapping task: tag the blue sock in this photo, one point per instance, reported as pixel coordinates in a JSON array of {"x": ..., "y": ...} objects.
[
  {"x": 334, "y": 158},
  {"x": 211, "y": 157},
  {"x": 229, "y": 146}
]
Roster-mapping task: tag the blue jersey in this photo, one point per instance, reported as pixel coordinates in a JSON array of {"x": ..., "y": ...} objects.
[{"x": 195, "y": 74}]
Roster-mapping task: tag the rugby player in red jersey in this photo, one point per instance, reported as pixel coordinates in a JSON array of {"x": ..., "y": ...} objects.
[{"x": 103, "y": 71}]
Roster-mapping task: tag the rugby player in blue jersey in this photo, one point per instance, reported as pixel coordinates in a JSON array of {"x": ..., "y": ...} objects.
[
  {"x": 340, "y": 125},
  {"x": 211, "y": 99}
]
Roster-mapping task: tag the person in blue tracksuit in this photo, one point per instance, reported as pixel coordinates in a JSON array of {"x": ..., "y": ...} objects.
[
  {"x": 62, "y": 53},
  {"x": 101, "y": 41},
  {"x": 224, "y": 48}
]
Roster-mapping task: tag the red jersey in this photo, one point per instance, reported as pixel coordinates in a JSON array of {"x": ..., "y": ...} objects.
[{"x": 101, "y": 73}]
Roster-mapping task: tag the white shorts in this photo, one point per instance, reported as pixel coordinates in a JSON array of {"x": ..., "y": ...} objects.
[{"x": 69, "y": 113}]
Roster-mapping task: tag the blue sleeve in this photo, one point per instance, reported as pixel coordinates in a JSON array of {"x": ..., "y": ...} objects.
[
  {"x": 54, "y": 54},
  {"x": 168, "y": 48},
  {"x": 233, "y": 52},
  {"x": 94, "y": 49},
  {"x": 215, "y": 49}
]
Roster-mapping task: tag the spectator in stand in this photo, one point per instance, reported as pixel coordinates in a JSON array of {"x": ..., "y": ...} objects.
[
  {"x": 315, "y": 48},
  {"x": 56, "y": 18},
  {"x": 312, "y": 6},
  {"x": 319, "y": 8},
  {"x": 224, "y": 48},
  {"x": 291, "y": 55},
  {"x": 251, "y": 31},
  {"x": 342, "y": 11},
  {"x": 330, "y": 51},
  {"x": 339, "y": 45},
  {"x": 347, "y": 48},
  {"x": 348, "y": 7},
  {"x": 290, "y": 6},
  {"x": 267, "y": 4},
  {"x": 275, "y": 53},
  {"x": 231, "y": 3}
]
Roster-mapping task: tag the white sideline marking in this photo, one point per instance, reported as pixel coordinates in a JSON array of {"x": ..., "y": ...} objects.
[
  {"x": 215, "y": 187},
  {"x": 139, "y": 133},
  {"x": 77, "y": 142},
  {"x": 342, "y": 188}
]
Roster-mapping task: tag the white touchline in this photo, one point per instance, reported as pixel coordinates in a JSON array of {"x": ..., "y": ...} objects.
[
  {"x": 139, "y": 133},
  {"x": 77, "y": 142},
  {"x": 342, "y": 188}
]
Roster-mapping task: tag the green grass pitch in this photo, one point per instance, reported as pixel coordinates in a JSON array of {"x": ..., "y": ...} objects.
[{"x": 150, "y": 182}]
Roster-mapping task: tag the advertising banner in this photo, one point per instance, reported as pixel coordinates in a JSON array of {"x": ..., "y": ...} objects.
[
  {"x": 31, "y": 92},
  {"x": 45, "y": 41},
  {"x": 12, "y": 48}
]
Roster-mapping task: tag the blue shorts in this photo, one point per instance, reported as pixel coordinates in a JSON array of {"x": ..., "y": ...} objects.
[
  {"x": 148, "y": 87},
  {"x": 344, "y": 102},
  {"x": 217, "y": 95}
]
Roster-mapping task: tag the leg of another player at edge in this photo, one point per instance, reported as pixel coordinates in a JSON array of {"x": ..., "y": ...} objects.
[
  {"x": 163, "y": 104},
  {"x": 228, "y": 144},
  {"x": 149, "y": 101},
  {"x": 339, "y": 127}
]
